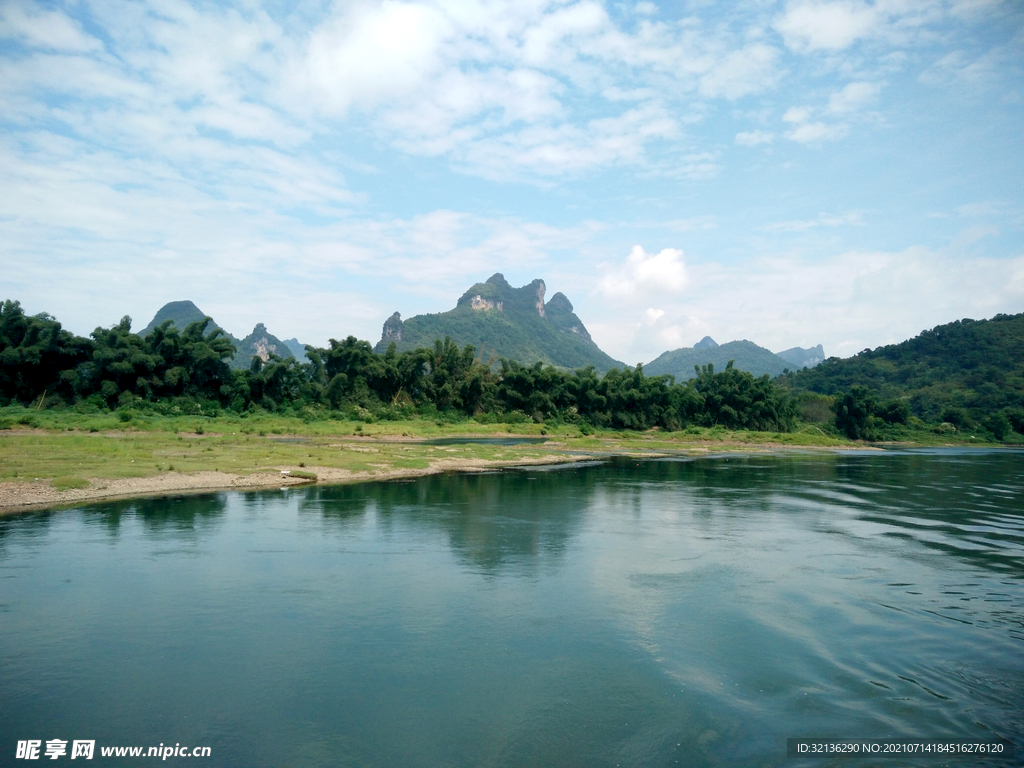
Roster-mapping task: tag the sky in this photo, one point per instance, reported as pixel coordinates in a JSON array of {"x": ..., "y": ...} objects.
[{"x": 840, "y": 172}]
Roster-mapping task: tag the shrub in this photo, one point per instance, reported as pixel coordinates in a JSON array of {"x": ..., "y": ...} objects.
[
  {"x": 853, "y": 409},
  {"x": 814, "y": 408},
  {"x": 516, "y": 417},
  {"x": 999, "y": 426},
  {"x": 958, "y": 417}
]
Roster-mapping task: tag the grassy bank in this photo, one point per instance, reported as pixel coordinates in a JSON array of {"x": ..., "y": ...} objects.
[{"x": 70, "y": 450}]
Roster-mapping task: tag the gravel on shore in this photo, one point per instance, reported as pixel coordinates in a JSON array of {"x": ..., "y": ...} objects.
[{"x": 24, "y": 496}]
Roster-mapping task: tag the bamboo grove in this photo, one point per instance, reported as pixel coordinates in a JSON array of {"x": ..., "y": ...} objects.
[{"x": 186, "y": 372}]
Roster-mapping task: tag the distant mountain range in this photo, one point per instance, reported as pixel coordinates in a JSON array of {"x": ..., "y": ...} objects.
[
  {"x": 297, "y": 347},
  {"x": 516, "y": 324},
  {"x": 803, "y": 358},
  {"x": 746, "y": 355},
  {"x": 505, "y": 322},
  {"x": 260, "y": 343}
]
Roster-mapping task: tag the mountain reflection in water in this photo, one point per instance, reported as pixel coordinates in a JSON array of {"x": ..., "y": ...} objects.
[{"x": 659, "y": 612}]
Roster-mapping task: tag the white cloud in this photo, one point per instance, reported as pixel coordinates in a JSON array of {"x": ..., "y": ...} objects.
[
  {"x": 797, "y": 114},
  {"x": 652, "y": 315},
  {"x": 546, "y": 38},
  {"x": 37, "y": 28},
  {"x": 505, "y": 90},
  {"x": 372, "y": 55},
  {"x": 671, "y": 337},
  {"x": 553, "y": 151},
  {"x": 753, "y": 138},
  {"x": 485, "y": 84},
  {"x": 822, "y": 220},
  {"x": 846, "y": 301},
  {"x": 748, "y": 70},
  {"x": 969, "y": 69},
  {"x": 831, "y": 26},
  {"x": 815, "y": 133},
  {"x": 695, "y": 223},
  {"x": 987, "y": 208},
  {"x": 848, "y": 100},
  {"x": 862, "y": 298},
  {"x": 805, "y": 132},
  {"x": 967, "y": 9},
  {"x": 702, "y": 165},
  {"x": 645, "y": 274},
  {"x": 853, "y": 97}
]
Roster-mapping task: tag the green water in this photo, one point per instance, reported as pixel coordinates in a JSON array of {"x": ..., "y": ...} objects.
[{"x": 628, "y": 613}]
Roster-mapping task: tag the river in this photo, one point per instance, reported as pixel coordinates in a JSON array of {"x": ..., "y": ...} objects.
[{"x": 616, "y": 613}]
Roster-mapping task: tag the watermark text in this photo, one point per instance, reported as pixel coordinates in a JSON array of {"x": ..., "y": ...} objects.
[{"x": 53, "y": 749}]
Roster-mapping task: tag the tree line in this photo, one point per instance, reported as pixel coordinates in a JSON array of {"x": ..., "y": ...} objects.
[
  {"x": 961, "y": 377},
  {"x": 187, "y": 371}
]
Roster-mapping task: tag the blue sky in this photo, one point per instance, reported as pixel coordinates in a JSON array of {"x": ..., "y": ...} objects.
[{"x": 816, "y": 171}]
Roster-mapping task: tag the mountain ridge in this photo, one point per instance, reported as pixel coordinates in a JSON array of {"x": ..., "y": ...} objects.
[
  {"x": 503, "y": 321},
  {"x": 746, "y": 356},
  {"x": 259, "y": 343},
  {"x": 500, "y": 320},
  {"x": 803, "y": 358}
]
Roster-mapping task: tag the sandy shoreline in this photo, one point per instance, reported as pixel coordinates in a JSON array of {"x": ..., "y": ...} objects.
[
  {"x": 31, "y": 496},
  {"x": 35, "y": 495}
]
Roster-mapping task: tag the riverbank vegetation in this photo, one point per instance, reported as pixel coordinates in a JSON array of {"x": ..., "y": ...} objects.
[
  {"x": 171, "y": 373},
  {"x": 937, "y": 388},
  {"x": 65, "y": 446},
  {"x": 61, "y": 455},
  {"x": 964, "y": 378}
]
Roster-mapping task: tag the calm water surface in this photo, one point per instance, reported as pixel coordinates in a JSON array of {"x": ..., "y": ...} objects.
[{"x": 626, "y": 613}]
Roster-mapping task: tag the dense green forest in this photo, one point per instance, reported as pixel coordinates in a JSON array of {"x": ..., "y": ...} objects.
[
  {"x": 965, "y": 376},
  {"x": 187, "y": 371}
]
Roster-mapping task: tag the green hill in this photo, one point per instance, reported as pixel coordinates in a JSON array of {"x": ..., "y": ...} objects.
[
  {"x": 747, "y": 356},
  {"x": 513, "y": 323},
  {"x": 965, "y": 372},
  {"x": 803, "y": 358},
  {"x": 260, "y": 342},
  {"x": 298, "y": 349},
  {"x": 180, "y": 313}
]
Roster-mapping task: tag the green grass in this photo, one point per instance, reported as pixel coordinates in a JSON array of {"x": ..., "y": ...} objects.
[
  {"x": 69, "y": 448},
  {"x": 69, "y": 419},
  {"x": 51, "y": 451}
]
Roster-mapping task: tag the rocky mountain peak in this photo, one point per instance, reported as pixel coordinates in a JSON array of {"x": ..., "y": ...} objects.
[
  {"x": 516, "y": 323},
  {"x": 392, "y": 329},
  {"x": 539, "y": 287},
  {"x": 558, "y": 305},
  {"x": 498, "y": 280}
]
